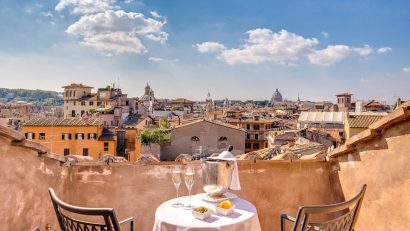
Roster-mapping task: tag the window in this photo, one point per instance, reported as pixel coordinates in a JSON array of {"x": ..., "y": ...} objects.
[
  {"x": 98, "y": 103},
  {"x": 30, "y": 136},
  {"x": 248, "y": 136},
  {"x": 255, "y": 146},
  {"x": 79, "y": 136},
  {"x": 248, "y": 127},
  {"x": 42, "y": 136},
  {"x": 92, "y": 136},
  {"x": 74, "y": 103},
  {"x": 74, "y": 93},
  {"x": 66, "y": 136},
  {"x": 256, "y": 127},
  {"x": 66, "y": 151},
  {"x": 266, "y": 145},
  {"x": 91, "y": 103},
  {"x": 222, "y": 142},
  {"x": 248, "y": 145},
  {"x": 106, "y": 145},
  {"x": 82, "y": 103},
  {"x": 73, "y": 113},
  {"x": 256, "y": 136},
  {"x": 195, "y": 139},
  {"x": 85, "y": 151},
  {"x": 82, "y": 112}
]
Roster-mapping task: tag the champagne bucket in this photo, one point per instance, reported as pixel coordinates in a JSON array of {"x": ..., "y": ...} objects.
[{"x": 216, "y": 176}]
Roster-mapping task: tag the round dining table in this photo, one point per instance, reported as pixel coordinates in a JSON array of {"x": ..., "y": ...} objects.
[{"x": 168, "y": 218}]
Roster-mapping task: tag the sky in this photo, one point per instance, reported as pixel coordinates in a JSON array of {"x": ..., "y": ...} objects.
[{"x": 236, "y": 49}]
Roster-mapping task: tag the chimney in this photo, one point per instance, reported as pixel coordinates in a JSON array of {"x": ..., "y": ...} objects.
[{"x": 359, "y": 107}]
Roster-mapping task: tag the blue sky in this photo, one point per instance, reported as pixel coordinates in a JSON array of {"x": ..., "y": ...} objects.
[{"x": 235, "y": 49}]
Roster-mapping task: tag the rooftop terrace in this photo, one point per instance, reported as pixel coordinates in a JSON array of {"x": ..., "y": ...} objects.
[{"x": 378, "y": 157}]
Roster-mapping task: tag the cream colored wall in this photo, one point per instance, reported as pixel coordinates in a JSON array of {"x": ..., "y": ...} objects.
[{"x": 209, "y": 135}]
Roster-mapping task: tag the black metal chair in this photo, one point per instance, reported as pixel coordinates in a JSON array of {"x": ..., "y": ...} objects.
[
  {"x": 71, "y": 224},
  {"x": 346, "y": 222}
]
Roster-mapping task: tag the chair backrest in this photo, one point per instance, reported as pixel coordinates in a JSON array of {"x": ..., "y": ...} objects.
[
  {"x": 72, "y": 224},
  {"x": 346, "y": 222}
]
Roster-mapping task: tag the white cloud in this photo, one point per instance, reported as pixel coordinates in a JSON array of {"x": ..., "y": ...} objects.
[
  {"x": 85, "y": 6},
  {"x": 209, "y": 47},
  {"x": 115, "y": 43},
  {"x": 47, "y": 14},
  {"x": 118, "y": 31},
  {"x": 335, "y": 53},
  {"x": 325, "y": 34},
  {"x": 155, "y": 59},
  {"x": 282, "y": 47},
  {"x": 384, "y": 50},
  {"x": 406, "y": 69},
  {"x": 264, "y": 45},
  {"x": 155, "y": 14}
]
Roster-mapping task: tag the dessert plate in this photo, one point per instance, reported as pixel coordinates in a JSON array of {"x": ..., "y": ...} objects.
[{"x": 228, "y": 196}]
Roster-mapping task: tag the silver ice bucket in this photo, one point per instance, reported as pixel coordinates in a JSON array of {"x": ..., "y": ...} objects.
[{"x": 216, "y": 175}]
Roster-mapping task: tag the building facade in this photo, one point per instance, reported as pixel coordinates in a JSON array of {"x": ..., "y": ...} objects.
[
  {"x": 257, "y": 131},
  {"x": 203, "y": 137},
  {"x": 71, "y": 136}
]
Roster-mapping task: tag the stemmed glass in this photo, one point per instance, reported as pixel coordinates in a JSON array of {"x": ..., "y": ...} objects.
[
  {"x": 176, "y": 179},
  {"x": 189, "y": 182}
]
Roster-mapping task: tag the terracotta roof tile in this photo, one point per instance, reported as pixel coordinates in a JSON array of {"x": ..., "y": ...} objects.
[
  {"x": 55, "y": 122},
  {"x": 362, "y": 121}
]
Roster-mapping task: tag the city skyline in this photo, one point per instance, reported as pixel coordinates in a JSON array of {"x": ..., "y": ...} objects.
[{"x": 234, "y": 49}]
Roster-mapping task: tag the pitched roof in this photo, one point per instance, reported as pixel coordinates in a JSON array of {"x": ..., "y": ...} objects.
[
  {"x": 375, "y": 130},
  {"x": 213, "y": 122},
  {"x": 56, "y": 122},
  {"x": 374, "y": 103},
  {"x": 362, "y": 121}
]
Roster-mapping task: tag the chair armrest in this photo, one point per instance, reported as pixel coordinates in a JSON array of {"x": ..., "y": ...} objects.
[
  {"x": 283, "y": 218},
  {"x": 287, "y": 217},
  {"x": 128, "y": 220}
]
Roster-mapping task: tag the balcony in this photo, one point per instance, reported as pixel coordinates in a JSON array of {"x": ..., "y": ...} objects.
[{"x": 379, "y": 159}]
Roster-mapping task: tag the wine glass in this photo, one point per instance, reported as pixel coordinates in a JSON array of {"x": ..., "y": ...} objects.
[
  {"x": 189, "y": 182},
  {"x": 176, "y": 179}
]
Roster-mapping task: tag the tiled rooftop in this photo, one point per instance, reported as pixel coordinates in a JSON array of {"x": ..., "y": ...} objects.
[
  {"x": 55, "y": 122},
  {"x": 362, "y": 121}
]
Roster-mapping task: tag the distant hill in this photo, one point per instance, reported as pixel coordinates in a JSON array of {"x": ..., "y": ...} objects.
[{"x": 38, "y": 97}]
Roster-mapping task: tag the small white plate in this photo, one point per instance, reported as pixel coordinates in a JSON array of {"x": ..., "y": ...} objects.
[{"x": 228, "y": 196}]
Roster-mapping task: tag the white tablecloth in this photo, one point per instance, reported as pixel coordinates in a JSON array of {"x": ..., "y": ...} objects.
[{"x": 168, "y": 218}]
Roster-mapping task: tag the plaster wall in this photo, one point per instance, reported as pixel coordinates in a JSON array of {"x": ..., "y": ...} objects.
[
  {"x": 382, "y": 164},
  {"x": 274, "y": 187}
]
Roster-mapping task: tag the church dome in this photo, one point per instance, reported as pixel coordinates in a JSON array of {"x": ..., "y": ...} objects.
[{"x": 277, "y": 96}]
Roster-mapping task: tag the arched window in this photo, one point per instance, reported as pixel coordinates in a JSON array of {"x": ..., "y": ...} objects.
[
  {"x": 222, "y": 142},
  {"x": 223, "y": 138},
  {"x": 195, "y": 139}
]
